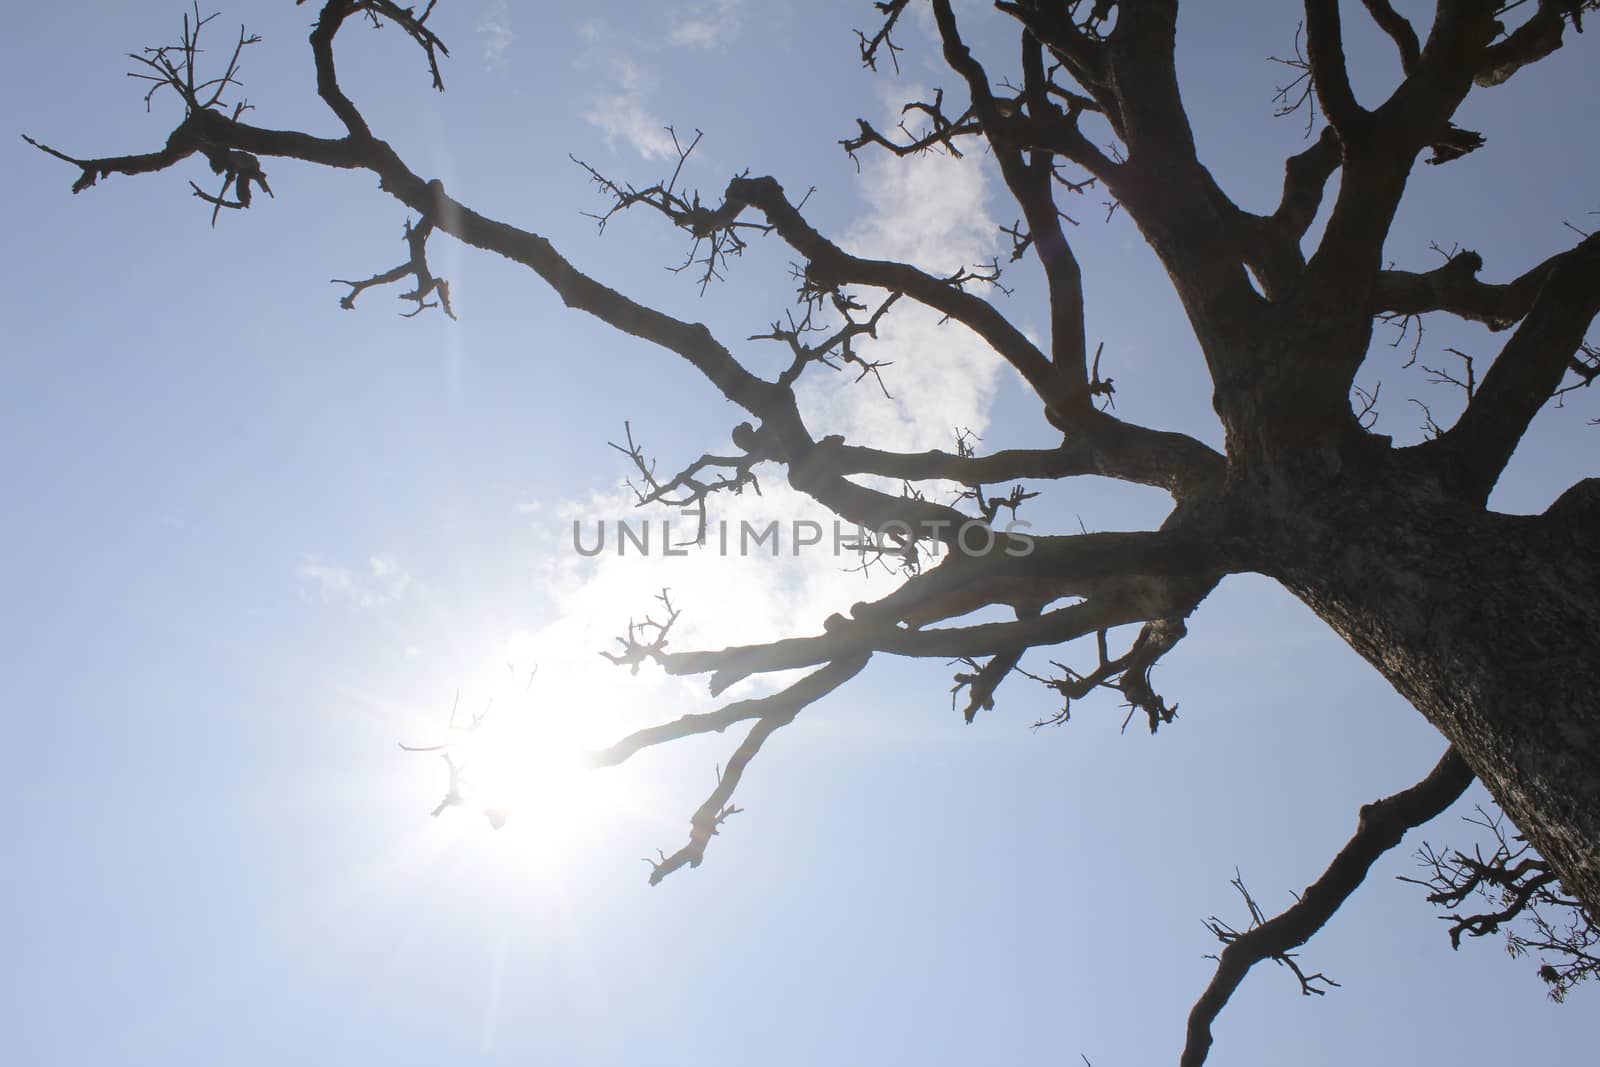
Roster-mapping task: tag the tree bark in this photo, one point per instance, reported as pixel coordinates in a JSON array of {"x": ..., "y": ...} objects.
[{"x": 1487, "y": 623}]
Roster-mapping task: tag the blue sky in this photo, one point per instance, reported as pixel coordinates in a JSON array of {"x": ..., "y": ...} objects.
[{"x": 256, "y": 540}]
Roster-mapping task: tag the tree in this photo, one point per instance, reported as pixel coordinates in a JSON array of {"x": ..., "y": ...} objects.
[{"x": 1489, "y": 641}]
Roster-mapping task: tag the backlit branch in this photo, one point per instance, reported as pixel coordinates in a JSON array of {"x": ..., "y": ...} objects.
[
  {"x": 646, "y": 639},
  {"x": 1454, "y": 288},
  {"x": 1074, "y": 35},
  {"x": 1528, "y": 371},
  {"x": 941, "y": 131},
  {"x": 1108, "y": 446},
  {"x": 1526, "y": 899},
  {"x": 1305, "y": 177},
  {"x": 836, "y": 349},
  {"x": 415, "y": 26},
  {"x": 416, "y": 266},
  {"x": 458, "y": 788},
  {"x": 1585, "y": 368},
  {"x": 1153, "y": 576},
  {"x": 1298, "y": 93},
  {"x": 798, "y": 696},
  {"x": 771, "y": 714},
  {"x": 829, "y": 267},
  {"x": 174, "y": 67},
  {"x": 1228, "y": 935},
  {"x": 1399, "y": 29},
  {"x": 981, "y": 681},
  {"x": 1380, "y": 827},
  {"x": 715, "y": 238},
  {"x": 1032, "y": 183},
  {"x": 891, "y": 11},
  {"x": 1128, "y": 674},
  {"x": 1534, "y": 40},
  {"x": 1380, "y": 146},
  {"x": 690, "y": 488}
]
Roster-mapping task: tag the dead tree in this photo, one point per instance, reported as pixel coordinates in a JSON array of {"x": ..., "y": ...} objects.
[{"x": 1492, "y": 641}]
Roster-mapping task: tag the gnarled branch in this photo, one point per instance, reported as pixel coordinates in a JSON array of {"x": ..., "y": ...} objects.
[{"x": 1381, "y": 826}]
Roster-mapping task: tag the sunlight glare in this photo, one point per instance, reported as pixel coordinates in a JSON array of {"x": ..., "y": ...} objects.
[{"x": 519, "y": 756}]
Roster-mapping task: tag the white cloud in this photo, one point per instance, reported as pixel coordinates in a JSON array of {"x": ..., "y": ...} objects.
[
  {"x": 706, "y": 25},
  {"x": 930, "y": 211},
  {"x": 495, "y": 28},
  {"x": 622, "y": 115},
  {"x": 382, "y": 582}
]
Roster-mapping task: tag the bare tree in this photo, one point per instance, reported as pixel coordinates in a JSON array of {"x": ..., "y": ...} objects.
[{"x": 1492, "y": 641}]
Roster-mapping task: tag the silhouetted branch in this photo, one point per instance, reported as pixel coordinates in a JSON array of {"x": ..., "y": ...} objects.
[
  {"x": 1381, "y": 826},
  {"x": 646, "y": 639},
  {"x": 941, "y": 131},
  {"x": 881, "y": 39},
  {"x": 771, "y": 714},
  {"x": 1128, "y": 674},
  {"x": 1528, "y": 370},
  {"x": 1397, "y": 27},
  {"x": 458, "y": 788},
  {"x": 717, "y": 234},
  {"x": 1528, "y": 901},
  {"x": 837, "y": 344},
  {"x": 689, "y": 489},
  {"x": 417, "y": 267}
]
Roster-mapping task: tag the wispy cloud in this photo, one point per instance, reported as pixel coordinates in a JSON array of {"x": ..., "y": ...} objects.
[
  {"x": 622, "y": 115},
  {"x": 495, "y": 29},
  {"x": 381, "y": 582},
  {"x": 930, "y": 211},
  {"x": 706, "y": 25}
]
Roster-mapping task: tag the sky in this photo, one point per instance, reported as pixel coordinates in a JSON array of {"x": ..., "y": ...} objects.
[{"x": 256, "y": 541}]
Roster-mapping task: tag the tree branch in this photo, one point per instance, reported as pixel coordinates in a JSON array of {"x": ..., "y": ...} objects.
[
  {"x": 1124, "y": 578},
  {"x": 1524, "y": 895},
  {"x": 1534, "y": 40},
  {"x": 828, "y": 266},
  {"x": 1455, "y": 288},
  {"x": 1329, "y": 76},
  {"x": 1395, "y": 25},
  {"x": 1305, "y": 177},
  {"x": 775, "y": 712},
  {"x": 1381, "y": 826},
  {"x": 1105, "y": 446},
  {"x": 789, "y": 701},
  {"x": 1527, "y": 372},
  {"x": 1030, "y": 183}
]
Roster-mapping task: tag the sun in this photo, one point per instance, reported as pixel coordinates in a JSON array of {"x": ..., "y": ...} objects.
[{"x": 515, "y": 754}]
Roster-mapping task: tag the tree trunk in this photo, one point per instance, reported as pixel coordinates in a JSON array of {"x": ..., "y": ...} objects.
[{"x": 1489, "y": 624}]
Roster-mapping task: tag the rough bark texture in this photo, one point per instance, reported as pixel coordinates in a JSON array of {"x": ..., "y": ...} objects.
[{"x": 1486, "y": 623}]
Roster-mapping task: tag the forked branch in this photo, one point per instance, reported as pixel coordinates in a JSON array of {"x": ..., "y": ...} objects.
[
  {"x": 1524, "y": 898},
  {"x": 771, "y": 714},
  {"x": 1381, "y": 826},
  {"x": 416, "y": 266}
]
